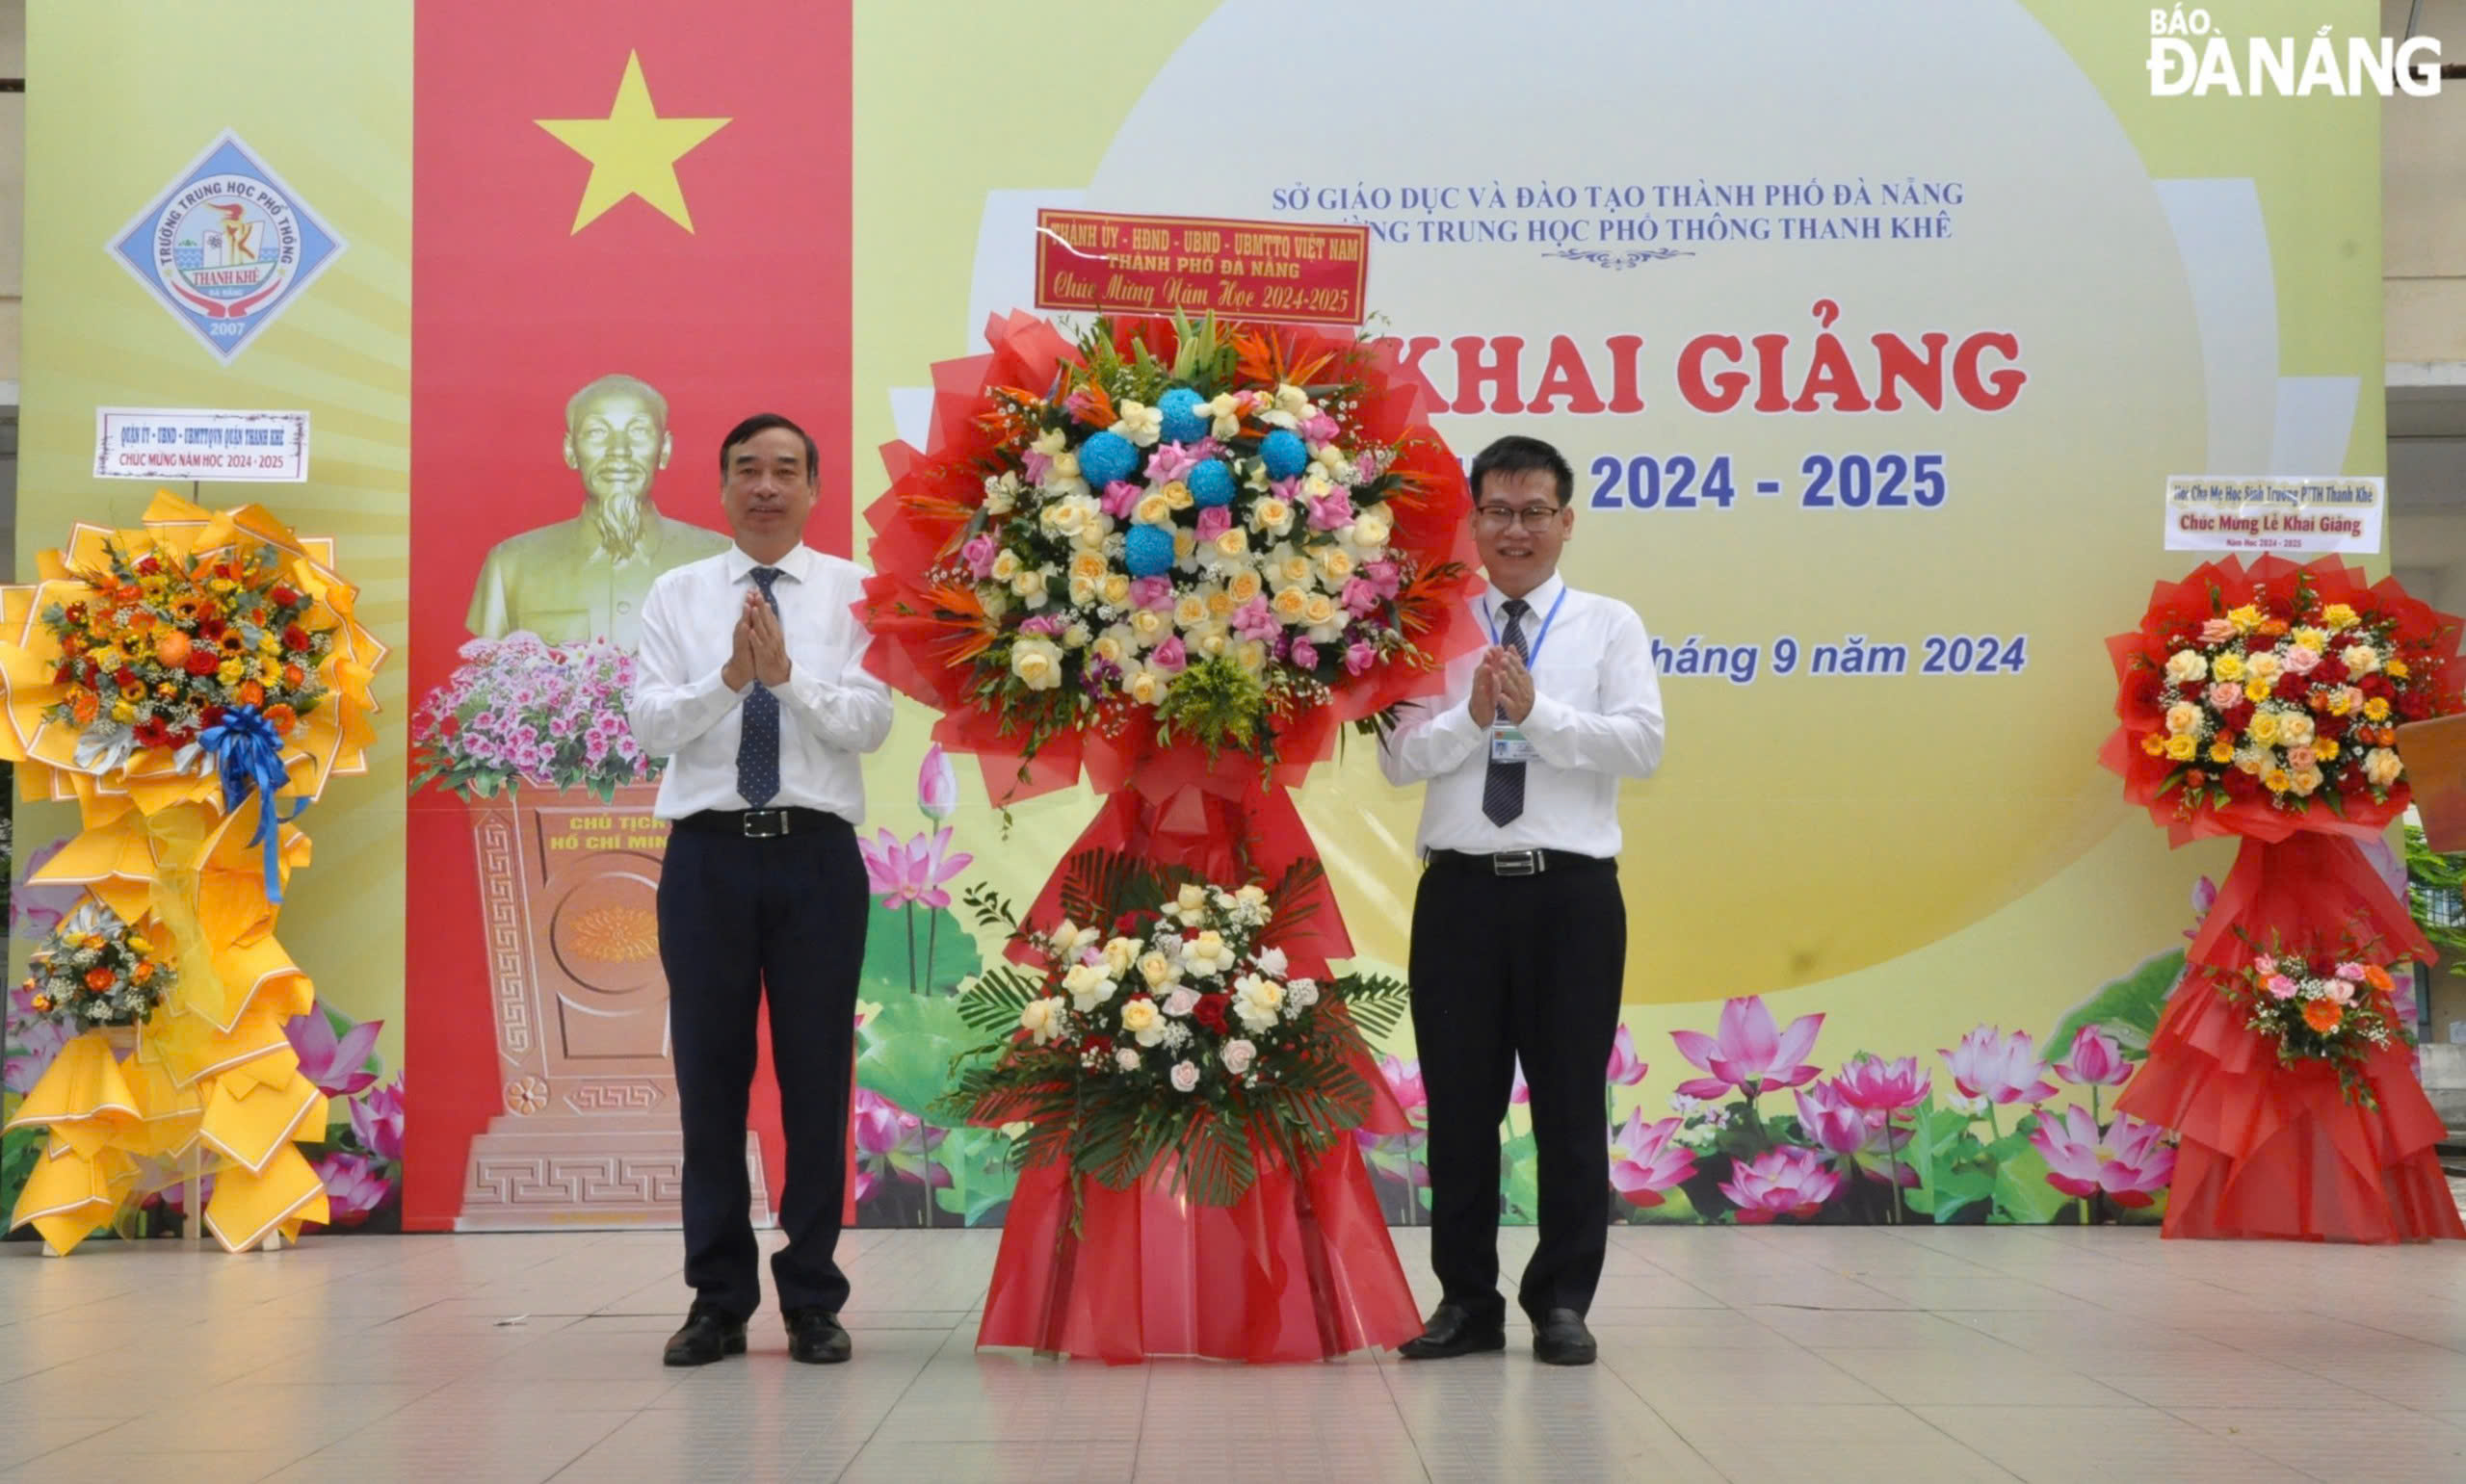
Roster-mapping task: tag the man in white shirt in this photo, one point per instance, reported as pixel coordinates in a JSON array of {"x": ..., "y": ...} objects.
[
  {"x": 1519, "y": 940},
  {"x": 749, "y": 683}
]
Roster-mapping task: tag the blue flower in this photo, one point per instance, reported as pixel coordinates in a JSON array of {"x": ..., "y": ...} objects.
[
  {"x": 1210, "y": 481},
  {"x": 1283, "y": 450},
  {"x": 1149, "y": 551},
  {"x": 1186, "y": 415},
  {"x": 1105, "y": 458}
]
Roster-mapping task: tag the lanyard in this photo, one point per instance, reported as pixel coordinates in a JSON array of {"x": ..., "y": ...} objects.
[{"x": 1532, "y": 656}]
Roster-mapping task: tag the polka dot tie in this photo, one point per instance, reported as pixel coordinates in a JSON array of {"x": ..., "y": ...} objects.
[
  {"x": 1503, "y": 786},
  {"x": 758, "y": 742}
]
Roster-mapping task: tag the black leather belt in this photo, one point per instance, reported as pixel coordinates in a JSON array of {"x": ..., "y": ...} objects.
[
  {"x": 763, "y": 824},
  {"x": 1517, "y": 863}
]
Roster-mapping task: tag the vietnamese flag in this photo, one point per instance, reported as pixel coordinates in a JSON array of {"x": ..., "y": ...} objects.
[{"x": 600, "y": 186}]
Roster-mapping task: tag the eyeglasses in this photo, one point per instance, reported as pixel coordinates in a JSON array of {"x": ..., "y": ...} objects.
[{"x": 1533, "y": 517}]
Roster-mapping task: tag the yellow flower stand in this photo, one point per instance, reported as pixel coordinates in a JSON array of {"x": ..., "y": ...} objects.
[{"x": 209, "y": 1085}]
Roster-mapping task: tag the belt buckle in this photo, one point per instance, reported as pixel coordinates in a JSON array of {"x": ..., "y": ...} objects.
[
  {"x": 1518, "y": 863},
  {"x": 765, "y": 823}
]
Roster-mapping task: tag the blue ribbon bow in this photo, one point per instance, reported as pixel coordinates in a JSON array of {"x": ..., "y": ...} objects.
[{"x": 248, "y": 751}]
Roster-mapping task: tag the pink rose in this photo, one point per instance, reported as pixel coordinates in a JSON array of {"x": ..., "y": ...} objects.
[
  {"x": 1334, "y": 513},
  {"x": 1361, "y": 599},
  {"x": 1215, "y": 521},
  {"x": 2341, "y": 991},
  {"x": 1360, "y": 658},
  {"x": 1155, "y": 593},
  {"x": 1172, "y": 656},
  {"x": 1171, "y": 461},
  {"x": 1045, "y": 624},
  {"x": 1122, "y": 497},
  {"x": 2300, "y": 660},
  {"x": 2217, "y": 631},
  {"x": 1306, "y": 654},
  {"x": 1386, "y": 576},
  {"x": 2351, "y": 972},
  {"x": 979, "y": 553},
  {"x": 2265, "y": 964},
  {"x": 2281, "y": 986},
  {"x": 2301, "y": 758},
  {"x": 1256, "y": 620},
  {"x": 2224, "y": 695}
]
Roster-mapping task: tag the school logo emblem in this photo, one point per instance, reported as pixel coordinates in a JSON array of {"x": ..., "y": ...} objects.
[{"x": 227, "y": 247}]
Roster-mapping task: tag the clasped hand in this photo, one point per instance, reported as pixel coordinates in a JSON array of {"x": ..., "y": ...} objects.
[
  {"x": 1501, "y": 684},
  {"x": 759, "y": 650}
]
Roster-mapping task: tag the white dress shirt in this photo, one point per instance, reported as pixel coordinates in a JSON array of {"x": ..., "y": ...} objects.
[
  {"x": 830, "y": 709},
  {"x": 1595, "y": 719}
]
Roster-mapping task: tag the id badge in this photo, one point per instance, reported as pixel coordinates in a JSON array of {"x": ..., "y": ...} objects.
[{"x": 1508, "y": 744}]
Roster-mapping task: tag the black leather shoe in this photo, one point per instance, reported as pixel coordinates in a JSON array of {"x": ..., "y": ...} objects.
[
  {"x": 1562, "y": 1340},
  {"x": 1453, "y": 1331},
  {"x": 816, "y": 1339},
  {"x": 710, "y": 1333}
]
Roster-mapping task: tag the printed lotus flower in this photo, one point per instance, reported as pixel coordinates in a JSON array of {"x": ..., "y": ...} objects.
[
  {"x": 355, "y": 1187},
  {"x": 338, "y": 1066},
  {"x": 892, "y": 1142},
  {"x": 1832, "y": 1120},
  {"x": 1404, "y": 1081},
  {"x": 376, "y": 1121},
  {"x": 2131, "y": 1162},
  {"x": 1749, "y": 1054},
  {"x": 1626, "y": 1068},
  {"x": 1883, "y": 1087},
  {"x": 937, "y": 785},
  {"x": 2204, "y": 897},
  {"x": 1645, "y": 1160},
  {"x": 33, "y": 1039},
  {"x": 913, "y": 873},
  {"x": 2095, "y": 1061},
  {"x": 1998, "y": 1068},
  {"x": 1784, "y": 1181}
]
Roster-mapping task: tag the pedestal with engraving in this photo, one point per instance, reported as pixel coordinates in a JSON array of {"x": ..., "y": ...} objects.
[{"x": 589, "y": 1134}]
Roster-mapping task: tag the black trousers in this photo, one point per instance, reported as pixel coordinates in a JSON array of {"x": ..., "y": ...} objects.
[
  {"x": 741, "y": 918},
  {"x": 1502, "y": 966}
]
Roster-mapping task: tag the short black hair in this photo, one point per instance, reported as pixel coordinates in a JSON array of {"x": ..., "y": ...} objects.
[
  {"x": 1516, "y": 453},
  {"x": 762, "y": 423}
]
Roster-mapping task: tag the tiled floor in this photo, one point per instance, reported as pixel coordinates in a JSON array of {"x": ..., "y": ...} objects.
[{"x": 1835, "y": 1354}]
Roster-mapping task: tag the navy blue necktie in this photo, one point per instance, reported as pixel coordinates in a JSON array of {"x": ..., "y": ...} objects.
[
  {"x": 757, "y": 744},
  {"x": 1503, "y": 786}
]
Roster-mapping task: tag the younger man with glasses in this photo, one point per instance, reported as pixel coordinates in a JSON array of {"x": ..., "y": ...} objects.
[{"x": 1519, "y": 938}]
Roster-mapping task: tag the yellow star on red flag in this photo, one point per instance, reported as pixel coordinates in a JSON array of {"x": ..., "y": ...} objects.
[{"x": 633, "y": 151}]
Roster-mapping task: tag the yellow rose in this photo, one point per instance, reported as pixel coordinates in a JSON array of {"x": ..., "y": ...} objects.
[
  {"x": 1235, "y": 542},
  {"x": 1112, "y": 646},
  {"x": 1037, "y": 662},
  {"x": 2313, "y": 639},
  {"x": 1243, "y": 587},
  {"x": 2265, "y": 728},
  {"x": 1148, "y": 627},
  {"x": 1068, "y": 516},
  {"x": 2395, "y": 669},
  {"x": 2228, "y": 667},
  {"x": 1158, "y": 971},
  {"x": 1321, "y": 612},
  {"x": 124, "y": 712},
  {"x": 1089, "y": 565},
  {"x": 1370, "y": 530},
  {"x": 1189, "y": 610},
  {"x": 1030, "y": 587},
  {"x": 1139, "y": 1015},
  {"x": 1006, "y": 566},
  {"x": 2382, "y": 767},
  {"x": 1209, "y": 640},
  {"x": 1146, "y": 686},
  {"x": 2295, "y": 731},
  {"x": 1185, "y": 545},
  {"x": 1115, "y": 589},
  {"x": 1119, "y": 954},
  {"x": 2181, "y": 747},
  {"x": 1250, "y": 655},
  {"x": 1152, "y": 510},
  {"x": 2184, "y": 717},
  {"x": 2341, "y": 700},
  {"x": 1220, "y": 603},
  {"x": 2244, "y": 619},
  {"x": 1178, "y": 495},
  {"x": 2252, "y": 760},
  {"x": 2265, "y": 666},
  {"x": 1292, "y": 605},
  {"x": 1291, "y": 569},
  {"x": 2360, "y": 658},
  {"x": 1338, "y": 565},
  {"x": 2307, "y": 782},
  {"x": 1271, "y": 516},
  {"x": 2338, "y": 615}
]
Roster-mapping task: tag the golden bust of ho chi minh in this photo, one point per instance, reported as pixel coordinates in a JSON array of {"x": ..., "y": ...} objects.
[{"x": 587, "y": 577}]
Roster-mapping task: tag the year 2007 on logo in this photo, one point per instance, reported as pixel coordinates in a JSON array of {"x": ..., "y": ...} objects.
[{"x": 227, "y": 248}]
